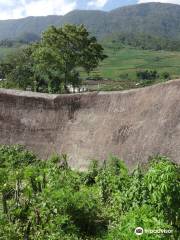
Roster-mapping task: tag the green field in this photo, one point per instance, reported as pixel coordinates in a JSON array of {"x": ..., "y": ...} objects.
[
  {"x": 129, "y": 60},
  {"x": 122, "y": 65}
]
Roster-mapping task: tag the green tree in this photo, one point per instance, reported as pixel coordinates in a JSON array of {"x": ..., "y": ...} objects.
[
  {"x": 54, "y": 62},
  {"x": 63, "y": 51},
  {"x": 17, "y": 69}
]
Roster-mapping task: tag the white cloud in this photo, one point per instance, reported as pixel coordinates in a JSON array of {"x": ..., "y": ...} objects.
[
  {"x": 163, "y": 1},
  {"x": 45, "y": 7},
  {"x": 97, "y": 3},
  {"x": 11, "y": 9}
]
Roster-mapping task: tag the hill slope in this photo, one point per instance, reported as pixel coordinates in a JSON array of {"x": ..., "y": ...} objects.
[{"x": 152, "y": 18}]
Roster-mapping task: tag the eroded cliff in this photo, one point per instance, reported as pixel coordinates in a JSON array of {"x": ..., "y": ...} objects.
[{"x": 132, "y": 124}]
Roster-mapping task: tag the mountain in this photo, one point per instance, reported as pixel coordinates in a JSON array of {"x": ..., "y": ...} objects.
[
  {"x": 12, "y": 29},
  {"x": 157, "y": 19}
]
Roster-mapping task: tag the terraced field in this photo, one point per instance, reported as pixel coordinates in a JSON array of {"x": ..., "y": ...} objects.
[
  {"x": 128, "y": 60},
  {"x": 122, "y": 65}
]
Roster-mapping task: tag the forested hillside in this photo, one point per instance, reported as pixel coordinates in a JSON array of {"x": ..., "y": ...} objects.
[
  {"x": 158, "y": 19},
  {"x": 143, "y": 41}
]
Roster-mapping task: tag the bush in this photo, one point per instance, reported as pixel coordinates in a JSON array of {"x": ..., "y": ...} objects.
[
  {"x": 147, "y": 75},
  {"x": 47, "y": 200},
  {"x": 15, "y": 156},
  {"x": 145, "y": 217},
  {"x": 166, "y": 76},
  {"x": 163, "y": 188}
]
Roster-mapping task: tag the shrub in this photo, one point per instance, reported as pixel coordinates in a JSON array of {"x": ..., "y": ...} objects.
[
  {"x": 15, "y": 156},
  {"x": 166, "y": 76},
  {"x": 147, "y": 75},
  {"x": 145, "y": 217},
  {"x": 48, "y": 200},
  {"x": 163, "y": 188}
]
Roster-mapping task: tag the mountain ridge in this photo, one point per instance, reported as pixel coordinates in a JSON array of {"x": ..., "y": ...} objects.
[{"x": 159, "y": 19}]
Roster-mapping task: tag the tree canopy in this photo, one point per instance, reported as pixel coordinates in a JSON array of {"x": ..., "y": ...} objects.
[{"x": 54, "y": 62}]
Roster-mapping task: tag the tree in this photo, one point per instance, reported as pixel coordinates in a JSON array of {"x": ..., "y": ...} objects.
[
  {"x": 6, "y": 43},
  {"x": 16, "y": 69},
  {"x": 147, "y": 75},
  {"x": 166, "y": 75},
  {"x": 62, "y": 51},
  {"x": 4, "y": 69},
  {"x": 54, "y": 62}
]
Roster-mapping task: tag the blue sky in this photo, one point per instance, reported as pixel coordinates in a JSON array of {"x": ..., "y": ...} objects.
[{"x": 12, "y": 9}]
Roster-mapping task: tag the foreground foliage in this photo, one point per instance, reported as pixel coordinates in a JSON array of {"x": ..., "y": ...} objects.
[{"x": 48, "y": 200}]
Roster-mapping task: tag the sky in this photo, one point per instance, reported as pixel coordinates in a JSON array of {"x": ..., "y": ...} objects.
[{"x": 13, "y": 9}]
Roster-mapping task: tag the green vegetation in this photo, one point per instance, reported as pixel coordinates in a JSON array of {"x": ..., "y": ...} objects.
[
  {"x": 44, "y": 67},
  {"x": 24, "y": 40},
  {"x": 48, "y": 200},
  {"x": 127, "y": 60},
  {"x": 53, "y": 63},
  {"x": 119, "y": 70},
  {"x": 5, "y": 51},
  {"x": 147, "y": 75},
  {"x": 123, "y": 63},
  {"x": 143, "y": 41}
]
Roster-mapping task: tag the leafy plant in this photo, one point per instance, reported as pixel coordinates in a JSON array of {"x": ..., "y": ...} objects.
[{"x": 48, "y": 200}]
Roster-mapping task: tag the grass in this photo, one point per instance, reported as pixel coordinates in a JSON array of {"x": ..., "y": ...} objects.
[{"x": 130, "y": 60}]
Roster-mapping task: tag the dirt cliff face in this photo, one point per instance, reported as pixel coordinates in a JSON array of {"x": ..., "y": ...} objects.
[{"x": 132, "y": 124}]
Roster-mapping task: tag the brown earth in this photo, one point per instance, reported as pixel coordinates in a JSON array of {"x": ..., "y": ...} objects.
[{"x": 132, "y": 124}]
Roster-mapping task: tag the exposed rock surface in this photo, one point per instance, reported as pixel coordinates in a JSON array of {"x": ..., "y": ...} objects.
[{"x": 132, "y": 124}]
